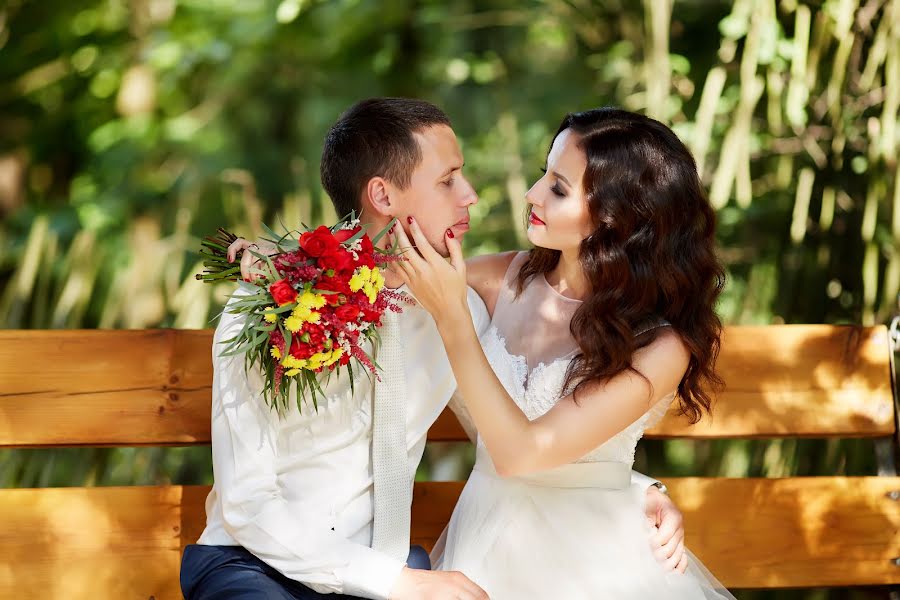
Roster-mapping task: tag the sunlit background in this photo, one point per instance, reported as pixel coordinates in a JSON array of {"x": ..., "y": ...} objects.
[{"x": 130, "y": 129}]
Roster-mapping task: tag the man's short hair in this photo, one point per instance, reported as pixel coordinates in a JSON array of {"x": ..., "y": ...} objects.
[{"x": 374, "y": 138}]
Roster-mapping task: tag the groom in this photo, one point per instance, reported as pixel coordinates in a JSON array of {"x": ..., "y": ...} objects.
[{"x": 316, "y": 504}]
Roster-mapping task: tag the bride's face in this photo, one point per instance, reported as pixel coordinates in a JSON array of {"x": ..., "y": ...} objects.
[{"x": 559, "y": 217}]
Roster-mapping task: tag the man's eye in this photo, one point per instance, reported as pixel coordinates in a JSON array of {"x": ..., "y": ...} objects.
[{"x": 448, "y": 182}]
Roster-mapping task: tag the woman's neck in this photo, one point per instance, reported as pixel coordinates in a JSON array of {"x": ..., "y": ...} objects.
[{"x": 568, "y": 277}]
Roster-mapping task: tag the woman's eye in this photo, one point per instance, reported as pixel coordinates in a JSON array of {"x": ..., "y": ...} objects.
[{"x": 555, "y": 189}]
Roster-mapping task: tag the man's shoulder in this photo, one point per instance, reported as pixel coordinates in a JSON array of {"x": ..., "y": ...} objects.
[{"x": 481, "y": 317}]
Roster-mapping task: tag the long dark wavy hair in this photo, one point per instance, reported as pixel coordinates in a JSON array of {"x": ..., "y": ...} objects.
[{"x": 650, "y": 256}]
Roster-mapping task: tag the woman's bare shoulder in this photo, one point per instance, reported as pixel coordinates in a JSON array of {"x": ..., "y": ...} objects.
[{"x": 485, "y": 275}]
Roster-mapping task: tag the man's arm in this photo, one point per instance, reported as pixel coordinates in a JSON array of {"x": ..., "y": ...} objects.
[
  {"x": 644, "y": 481},
  {"x": 255, "y": 513},
  {"x": 668, "y": 540}
]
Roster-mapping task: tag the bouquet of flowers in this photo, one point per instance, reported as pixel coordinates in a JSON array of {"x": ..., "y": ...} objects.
[{"x": 317, "y": 302}]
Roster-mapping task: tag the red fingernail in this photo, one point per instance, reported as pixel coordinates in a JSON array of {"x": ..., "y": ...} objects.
[
  {"x": 450, "y": 233},
  {"x": 409, "y": 220}
]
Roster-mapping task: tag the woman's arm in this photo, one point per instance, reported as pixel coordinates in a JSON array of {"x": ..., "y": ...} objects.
[{"x": 569, "y": 430}]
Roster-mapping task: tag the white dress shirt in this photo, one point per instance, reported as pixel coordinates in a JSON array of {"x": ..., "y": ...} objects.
[{"x": 297, "y": 490}]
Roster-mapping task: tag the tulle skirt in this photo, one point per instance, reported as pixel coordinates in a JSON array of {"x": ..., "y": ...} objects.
[{"x": 553, "y": 539}]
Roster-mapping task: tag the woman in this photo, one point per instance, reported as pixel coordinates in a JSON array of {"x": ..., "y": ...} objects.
[{"x": 595, "y": 331}]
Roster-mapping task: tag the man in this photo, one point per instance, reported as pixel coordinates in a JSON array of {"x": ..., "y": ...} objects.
[{"x": 313, "y": 503}]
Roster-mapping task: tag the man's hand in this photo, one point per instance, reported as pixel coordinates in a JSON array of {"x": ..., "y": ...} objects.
[
  {"x": 414, "y": 584},
  {"x": 667, "y": 542},
  {"x": 248, "y": 260}
]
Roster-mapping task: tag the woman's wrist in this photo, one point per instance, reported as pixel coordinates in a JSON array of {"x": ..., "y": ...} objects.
[{"x": 455, "y": 324}]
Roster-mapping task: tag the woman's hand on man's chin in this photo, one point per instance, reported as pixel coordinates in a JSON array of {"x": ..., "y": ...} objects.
[{"x": 438, "y": 285}]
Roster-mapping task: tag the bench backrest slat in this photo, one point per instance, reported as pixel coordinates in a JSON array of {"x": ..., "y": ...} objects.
[{"x": 152, "y": 387}]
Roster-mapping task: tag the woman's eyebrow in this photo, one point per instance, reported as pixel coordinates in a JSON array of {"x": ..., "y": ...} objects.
[{"x": 560, "y": 177}]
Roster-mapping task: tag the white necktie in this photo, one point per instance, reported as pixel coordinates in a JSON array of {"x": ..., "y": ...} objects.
[{"x": 390, "y": 462}]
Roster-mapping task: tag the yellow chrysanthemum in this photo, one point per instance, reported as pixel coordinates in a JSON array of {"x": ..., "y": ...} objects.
[
  {"x": 335, "y": 355},
  {"x": 291, "y": 372},
  {"x": 270, "y": 317},
  {"x": 290, "y": 362},
  {"x": 356, "y": 282},
  {"x": 377, "y": 280},
  {"x": 305, "y": 314},
  {"x": 294, "y": 323},
  {"x": 310, "y": 300},
  {"x": 276, "y": 353}
]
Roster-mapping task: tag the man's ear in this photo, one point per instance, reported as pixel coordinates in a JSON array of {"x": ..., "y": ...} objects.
[{"x": 378, "y": 194}]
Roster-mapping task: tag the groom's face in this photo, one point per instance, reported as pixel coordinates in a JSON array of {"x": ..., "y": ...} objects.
[{"x": 438, "y": 196}]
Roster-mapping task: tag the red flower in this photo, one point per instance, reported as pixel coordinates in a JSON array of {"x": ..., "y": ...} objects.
[
  {"x": 365, "y": 259},
  {"x": 315, "y": 333},
  {"x": 282, "y": 292},
  {"x": 371, "y": 315},
  {"x": 342, "y": 235},
  {"x": 300, "y": 350},
  {"x": 367, "y": 246},
  {"x": 340, "y": 260},
  {"x": 333, "y": 284},
  {"x": 319, "y": 242},
  {"x": 347, "y": 313}
]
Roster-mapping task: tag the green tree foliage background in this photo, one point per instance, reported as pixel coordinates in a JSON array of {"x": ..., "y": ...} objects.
[{"x": 130, "y": 129}]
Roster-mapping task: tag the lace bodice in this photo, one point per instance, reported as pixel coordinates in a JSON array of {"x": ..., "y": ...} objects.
[{"x": 544, "y": 389}]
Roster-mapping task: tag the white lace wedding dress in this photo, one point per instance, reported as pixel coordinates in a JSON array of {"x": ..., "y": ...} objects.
[{"x": 576, "y": 531}]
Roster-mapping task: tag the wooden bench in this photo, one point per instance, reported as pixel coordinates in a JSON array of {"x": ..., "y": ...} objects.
[{"x": 152, "y": 388}]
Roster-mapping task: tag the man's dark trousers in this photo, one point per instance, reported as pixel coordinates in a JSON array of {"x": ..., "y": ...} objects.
[{"x": 233, "y": 573}]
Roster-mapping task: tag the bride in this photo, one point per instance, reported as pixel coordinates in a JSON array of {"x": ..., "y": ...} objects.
[{"x": 594, "y": 332}]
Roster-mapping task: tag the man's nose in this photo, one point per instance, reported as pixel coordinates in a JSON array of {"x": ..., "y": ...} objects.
[{"x": 469, "y": 197}]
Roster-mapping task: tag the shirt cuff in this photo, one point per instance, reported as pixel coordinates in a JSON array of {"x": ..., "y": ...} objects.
[
  {"x": 642, "y": 480},
  {"x": 370, "y": 573}
]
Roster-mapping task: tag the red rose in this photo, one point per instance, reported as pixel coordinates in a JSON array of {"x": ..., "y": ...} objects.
[
  {"x": 282, "y": 292},
  {"x": 367, "y": 246},
  {"x": 340, "y": 261},
  {"x": 342, "y": 235},
  {"x": 318, "y": 242},
  {"x": 371, "y": 315},
  {"x": 347, "y": 313},
  {"x": 365, "y": 260},
  {"x": 333, "y": 284}
]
